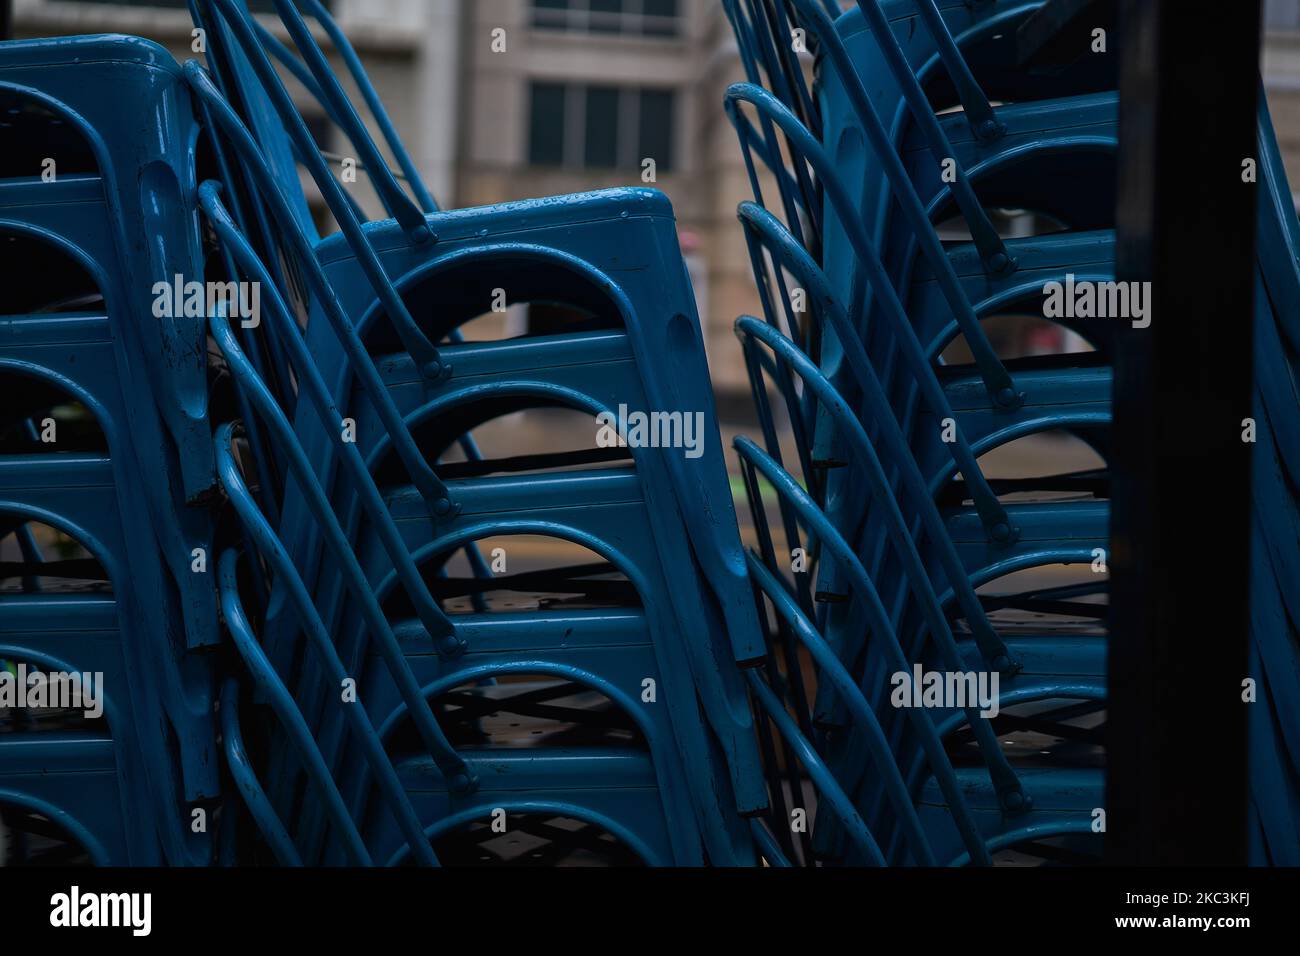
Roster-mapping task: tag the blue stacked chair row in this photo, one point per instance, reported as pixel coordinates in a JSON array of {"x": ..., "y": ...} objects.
[
  {"x": 884, "y": 276},
  {"x": 372, "y": 690},
  {"x": 105, "y": 463},
  {"x": 312, "y": 586},
  {"x": 403, "y": 691}
]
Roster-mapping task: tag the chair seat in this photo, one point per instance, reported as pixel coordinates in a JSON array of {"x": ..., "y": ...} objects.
[
  {"x": 1069, "y": 130},
  {"x": 71, "y": 778},
  {"x": 1029, "y": 122},
  {"x": 1063, "y": 803},
  {"x": 56, "y": 752},
  {"x": 612, "y": 787},
  {"x": 612, "y": 644},
  {"x": 535, "y": 770},
  {"x": 1086, "y": 254},
  {"x": 16, "y": 193},
  {"x": 1051, "y": 532},
  {"x": 1050, "y": 654},
  {"x": 79, "y": 630},
  {"x": 1075, "y": 394}
]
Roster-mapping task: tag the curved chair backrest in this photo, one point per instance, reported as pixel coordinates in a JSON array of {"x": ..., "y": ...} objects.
[
  {"x": 806, "y": 149},
  {"x": 834, "y": 666},
  {"x": 277, "y": 558},
  {"x": 316, "y": 391},
  {"x": 239, "y": 80},
  {"x": 799, "y": 192},
  {"x": 245, "y": 41},
  {"x": 361, "y": 363},
  {"x": 755, "y": 333},
  {"x": 860, "y": 377}
]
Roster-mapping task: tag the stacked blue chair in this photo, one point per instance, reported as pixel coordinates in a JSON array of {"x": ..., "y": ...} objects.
[
  {"x": 921, "y": 113},
  {"x": 873, "y": 245},
  {"x": 360, "y": 543},
  {"x": 106, "y": 459},
  {"x": 320, "y": 637}
]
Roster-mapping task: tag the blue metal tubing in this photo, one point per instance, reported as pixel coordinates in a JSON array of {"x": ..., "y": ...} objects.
[
  {"x": 831, "y": 668},
  {"x": 421, "y": 349},
  {"x": 1001, "y": 774},
  {"x": 832, "y": 794},
  {"x": 800, "y": 408},
  {"x": 783, "y": 247},
  {"x": 467, "y": 443},
  {"x": 984, "y": 233},
  {"x": 373, "y": 102},
  {"x": 300, "y": 72},
  {"x": 268, "y": 461},
  {"x": 422, "y": 476},
  {"x": 767, "y": 844},
  {"x": 431, "y": 615},
  {"x": 783, "y": 62},
  {"x": 794, "y": 681},
  {"x": 286, "y": 393},
  {"x": 901, "y": 457},
  {"x": 221, "y": 61},
  {"x": 304, "y": 76},
  {"x": 973, "y": 100},
  {"x": 250, "y": 789},
  {"x": 881, "y": 628},
  {"x": 402, "y": 207},
  {"x": 299, "y": 734},
  {"x": 996, "y": 377},
  {"x": 273, "y": 550},
  {"x": 435, "y": 741},
  {"x": 787, "y": 185},
  {"x": 27, "y": 546},
  {"x": 930, "y": 608}
]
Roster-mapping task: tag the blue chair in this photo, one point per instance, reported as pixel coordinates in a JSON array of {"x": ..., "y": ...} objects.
[
  {"x": 498, "y": 653},
  {"x": 1273, "y": 743},
  {"x": 1052, "y": 667},
  {"x": 124, "y": 186},
  {"x": 712, "y": 547},
  {"x": 999, "y": 528},
  {"x": 287, "y": 332},
  {"x": 125, "y": 788},
  {"x": 718, "y": 551},
  {"x": 857, "y": 114}
]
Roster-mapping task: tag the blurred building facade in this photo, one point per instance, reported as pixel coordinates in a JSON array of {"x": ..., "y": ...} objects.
[
  {"x": 582, "y": 93},
  {"x": 514, "y": 99}
]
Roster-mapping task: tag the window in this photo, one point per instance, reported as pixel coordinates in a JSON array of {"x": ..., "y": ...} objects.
[
  {"x": 546, "y": 125},
  {"x": 652, "y": 18},
  {"x": 600, "y": 127}
]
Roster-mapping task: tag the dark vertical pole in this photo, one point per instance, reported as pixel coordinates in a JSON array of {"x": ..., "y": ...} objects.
[
  {"x": 6, "y": 19},
  {"x": 1181, "y": 473}
]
